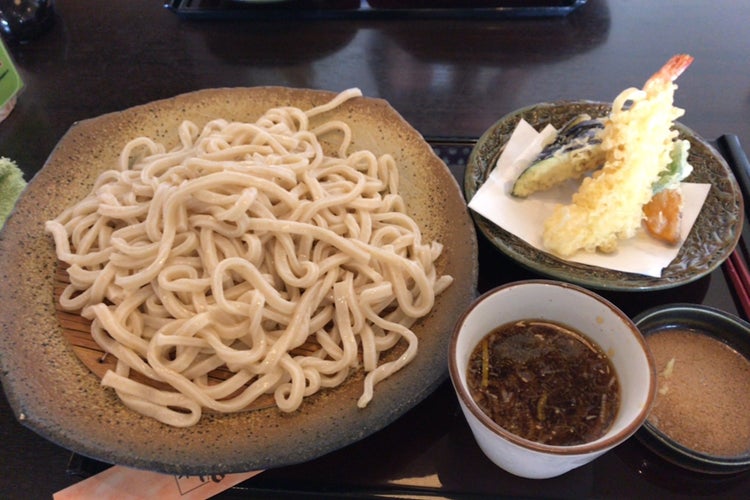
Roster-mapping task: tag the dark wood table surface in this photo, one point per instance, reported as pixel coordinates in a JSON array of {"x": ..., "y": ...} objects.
[{"x": 449, "y": 76}]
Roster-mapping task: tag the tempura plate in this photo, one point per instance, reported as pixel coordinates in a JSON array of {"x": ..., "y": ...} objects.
[
  {"x": 54, "y": 394},
  {"x": 712, "y": 238}
]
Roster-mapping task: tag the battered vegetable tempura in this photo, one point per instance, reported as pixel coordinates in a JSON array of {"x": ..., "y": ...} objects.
[{"x": 638, "y": 139}]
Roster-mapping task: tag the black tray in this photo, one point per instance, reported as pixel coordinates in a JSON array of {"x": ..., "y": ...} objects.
[{"x": 375, "y": 9}]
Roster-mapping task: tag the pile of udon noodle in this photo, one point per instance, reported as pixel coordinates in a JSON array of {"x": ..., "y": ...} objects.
[{"x": 233, "y": 250}]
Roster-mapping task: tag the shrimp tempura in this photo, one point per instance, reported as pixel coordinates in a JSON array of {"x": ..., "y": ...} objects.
[{"x": 638, "y": 139}]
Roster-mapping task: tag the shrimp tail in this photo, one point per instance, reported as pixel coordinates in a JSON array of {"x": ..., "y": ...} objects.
[{"x": 670, "y": 71}]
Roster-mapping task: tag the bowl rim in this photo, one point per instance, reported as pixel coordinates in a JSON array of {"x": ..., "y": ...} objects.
[
  {"x": 598, "y": 445},
  {"x": 677, "y": 452},
  {"x": 702, "y": 309}
]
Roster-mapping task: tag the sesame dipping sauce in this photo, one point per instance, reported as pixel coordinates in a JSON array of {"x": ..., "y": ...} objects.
[{"x": 703, "y": 394}]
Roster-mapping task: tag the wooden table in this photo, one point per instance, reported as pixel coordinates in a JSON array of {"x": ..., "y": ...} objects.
[{"x": 450, "y": 76}]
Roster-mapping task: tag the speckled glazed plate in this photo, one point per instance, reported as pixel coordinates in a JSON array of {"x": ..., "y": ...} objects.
[
  {"x": 54, "y": 394},
  {"x": 712, "y": 239}
]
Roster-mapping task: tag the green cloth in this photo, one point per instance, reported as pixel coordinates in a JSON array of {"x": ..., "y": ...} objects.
[{"x": 11, "y": 185}]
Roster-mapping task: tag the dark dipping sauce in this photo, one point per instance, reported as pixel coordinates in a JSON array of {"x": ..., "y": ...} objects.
[{"x": 544, "y": 382}]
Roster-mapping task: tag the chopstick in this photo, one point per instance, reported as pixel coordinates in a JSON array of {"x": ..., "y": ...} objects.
[
  {"x": 740, "y": 278},
  {"x": 734, "y": 154},
  {"x": 735, "y": 266}
]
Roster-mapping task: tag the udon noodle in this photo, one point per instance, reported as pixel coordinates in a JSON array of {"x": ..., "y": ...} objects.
[{"x": 235, "y": 248}]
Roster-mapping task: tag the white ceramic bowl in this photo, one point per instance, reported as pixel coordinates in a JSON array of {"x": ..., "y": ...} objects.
[{"x": 576, "y": 308}]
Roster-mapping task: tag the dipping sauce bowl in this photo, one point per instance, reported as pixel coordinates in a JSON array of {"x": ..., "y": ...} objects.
[
  {"x": 701, "y": 415},
  {"x": 583, "y": 311}
]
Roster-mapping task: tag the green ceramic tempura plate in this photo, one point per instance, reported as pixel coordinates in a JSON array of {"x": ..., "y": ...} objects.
[{"x": 711, "y": 240}]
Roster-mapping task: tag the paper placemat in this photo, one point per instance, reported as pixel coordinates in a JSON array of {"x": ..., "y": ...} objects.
[{"x": 124, "y": 483}]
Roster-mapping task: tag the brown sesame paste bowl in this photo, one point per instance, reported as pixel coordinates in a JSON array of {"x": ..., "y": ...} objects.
[{"x": 701, "y": 415}]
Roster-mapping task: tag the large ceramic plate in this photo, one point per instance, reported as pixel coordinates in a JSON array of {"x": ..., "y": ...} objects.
[
  {"x": 53, "y": 393},
  {"x": 712, "y": 239}
]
